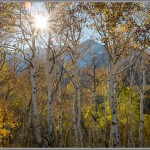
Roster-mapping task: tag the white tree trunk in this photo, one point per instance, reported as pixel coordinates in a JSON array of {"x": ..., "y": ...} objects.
[
  {"x": 49, "y": 113},
  {"x": 115, "y": 142},
  {"x": 34, "y": 101},
  {"x": 141, "y": 103},
  {"x": 79, "y": 106},
  {"x": 77, "y": 95},
  {"x": 74, "y": 116}
]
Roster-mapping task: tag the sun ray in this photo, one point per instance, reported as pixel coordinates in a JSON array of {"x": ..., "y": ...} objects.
[{"x": 41, "y": 22}]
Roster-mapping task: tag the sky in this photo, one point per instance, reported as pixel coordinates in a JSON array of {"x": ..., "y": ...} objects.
[{"x": 87, "y": 33}]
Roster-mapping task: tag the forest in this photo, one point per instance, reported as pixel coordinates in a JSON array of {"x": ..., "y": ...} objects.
[{"x": 74, "y": 74}]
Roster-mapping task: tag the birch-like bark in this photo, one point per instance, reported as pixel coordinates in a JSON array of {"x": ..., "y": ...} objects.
[
  {"x": 34, "y": 100},
  {"x": 77, "y": 95},
  {"x": 141, "y": 103},
  {"x": 114, "y": 135},
  {"x": 79, "y": 106},
  {"x": 49, "y": 113},
  {"x": 74, "y": 116}
]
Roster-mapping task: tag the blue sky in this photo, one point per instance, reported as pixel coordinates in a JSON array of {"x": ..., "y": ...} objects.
[{"x": 87, "y": 33}]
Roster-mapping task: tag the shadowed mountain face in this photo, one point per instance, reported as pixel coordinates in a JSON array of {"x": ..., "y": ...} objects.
[{"x": 92, "y": 54}]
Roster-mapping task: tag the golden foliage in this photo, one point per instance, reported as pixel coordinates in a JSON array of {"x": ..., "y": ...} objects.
[{"x": 7, "y": 122}]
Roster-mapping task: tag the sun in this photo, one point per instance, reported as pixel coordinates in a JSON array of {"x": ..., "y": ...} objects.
[{"x": 41, "y": 22}]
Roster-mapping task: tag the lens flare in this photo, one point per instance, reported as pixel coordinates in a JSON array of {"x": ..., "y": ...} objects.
[
  {"x": 41, "y": 22},
  {"x": 28, "y": 6}
]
